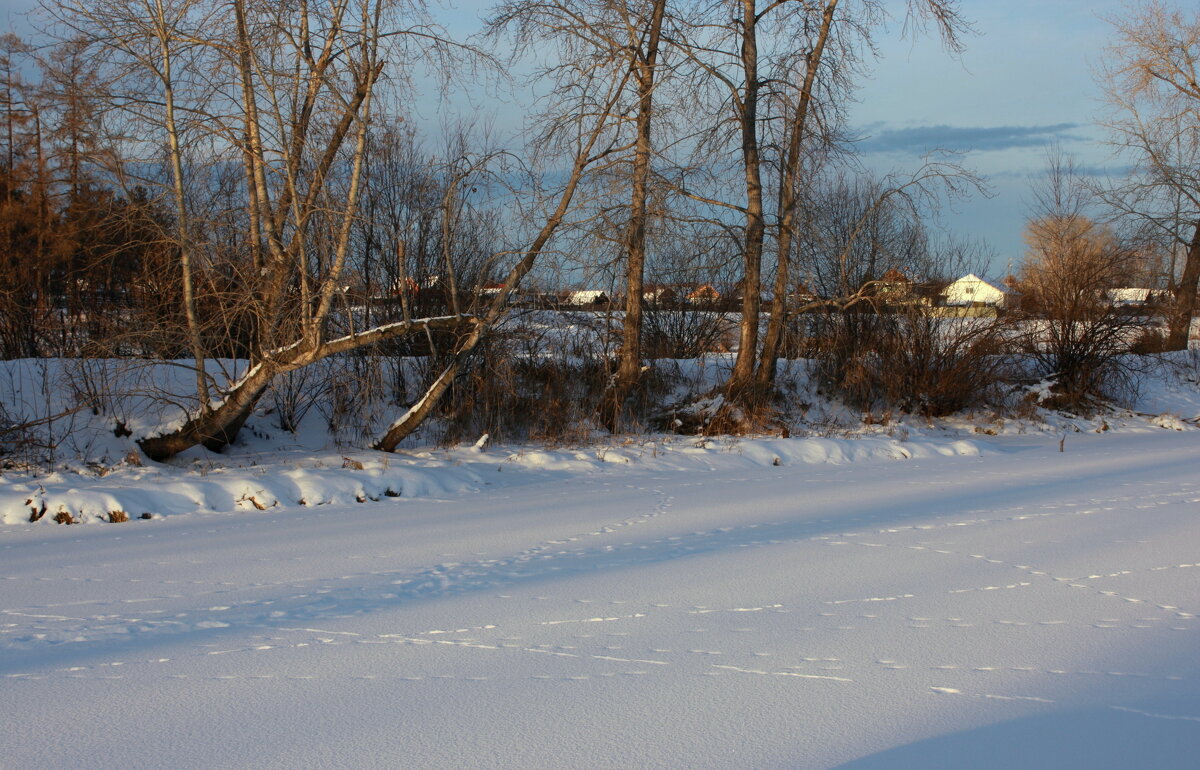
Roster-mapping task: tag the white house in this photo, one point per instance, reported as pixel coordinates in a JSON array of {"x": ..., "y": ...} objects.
[
  {"x": 972, "y": 289},
  {"x": 1130, "y": 296}
]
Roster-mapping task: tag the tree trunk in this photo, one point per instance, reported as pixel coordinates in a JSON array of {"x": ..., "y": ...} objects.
[
  {"x": 183, "y": 229},
  {"x": 216, "y": 427},
  {"x": 1185, "y": 296},
  {"x": 213, "y": 428},
  {"x": 789, "y": 180},
  {"x": 629, "y": 368},
  {"x": 742, "y": 376}
]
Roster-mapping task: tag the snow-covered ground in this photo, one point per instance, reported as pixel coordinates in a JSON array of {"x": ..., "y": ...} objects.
[{"x": 989, "y": 601}]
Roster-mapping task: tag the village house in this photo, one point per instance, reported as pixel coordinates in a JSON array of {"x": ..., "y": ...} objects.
[
  {"x": 975, "y": 290},
  {"x": 894, "y": 284},
  {"x": 1133, "y": 297},
  {"x": 585, "y": 298},
  {"x": 803, "y": 295},
  {"x": 704, "y": 294},
  {"x": 895, "y": 289},
  {"x": 659, "y": 295}
]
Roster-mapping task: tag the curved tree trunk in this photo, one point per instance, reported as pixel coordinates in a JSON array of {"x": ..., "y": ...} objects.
[
  {"x": 216, "y": 427},
  {"x": 788, "y": 192},
  {"x": 1185, "y": 297}
]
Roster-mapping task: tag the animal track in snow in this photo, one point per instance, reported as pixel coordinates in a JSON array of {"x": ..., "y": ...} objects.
[
  {"x": 795, "y": 674},
  {"x": 592, "y": 620},
  {"x": 1153, "y": 715},
  {"x": 872, "y": 599}
]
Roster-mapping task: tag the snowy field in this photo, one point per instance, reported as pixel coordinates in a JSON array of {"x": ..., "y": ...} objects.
[{"x": 991, "y": 603}]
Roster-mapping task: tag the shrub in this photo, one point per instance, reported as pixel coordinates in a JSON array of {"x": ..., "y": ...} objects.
[
  {"x": 685, "y": 333},
  {"x": 910, "y": 360}
]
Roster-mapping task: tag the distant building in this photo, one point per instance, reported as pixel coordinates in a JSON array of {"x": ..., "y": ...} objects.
[
  {"x": 895, "y": 290},
  {"x": 1133, "y": 297},
  {"x": 802, "y": 296},
  {"x": 585, "y": 298},
  {"x": 659, "y": 295},
  {"x": 894, "y": 283},
  {"x": 704, "y": 294},
  {"x": 972, "y": 289},
  {"x": 405, "y": 286}
]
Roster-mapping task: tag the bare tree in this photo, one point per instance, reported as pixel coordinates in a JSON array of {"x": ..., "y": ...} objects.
[
  {"x": 1150, "y": 79},
  {"x": 796, "y": 106},
  {"x": 643, "y": 25},
  {"x": 580, "y": 121},
  {"x": 748, "y": 52},
  {"x": 287, "y": 91},
  {"x": 858, "y": 227},
  {"x": 1071, "y": 262}
]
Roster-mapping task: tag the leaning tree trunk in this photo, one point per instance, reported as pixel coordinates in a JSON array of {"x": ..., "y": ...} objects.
[
  {"x": 416, "y": 414},
  {"x": 788, "y": 193},
  {"x": 1185, "y": 297},
  {"x": 213, "y": 428},
  {"x": 216, "y": 427}
]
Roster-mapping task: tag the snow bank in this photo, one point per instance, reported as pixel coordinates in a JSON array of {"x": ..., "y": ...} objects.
[{"x": 287, "y": 480}]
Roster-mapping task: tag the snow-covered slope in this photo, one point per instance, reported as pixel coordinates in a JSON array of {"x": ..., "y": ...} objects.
[
  {"x": 92, "y": 474},
  {"x": 1006, "y": 605}
]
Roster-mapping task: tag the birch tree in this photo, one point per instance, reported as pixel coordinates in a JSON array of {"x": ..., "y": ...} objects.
[
  {"x": 580, "y": 136},
  {"x": 790, "y": 65},
  {"x": 642, "y": 27},
  {"x": 287, "y": 91}
]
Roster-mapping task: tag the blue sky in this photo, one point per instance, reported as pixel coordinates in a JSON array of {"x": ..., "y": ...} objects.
[{"x": 1024, "y": 82}]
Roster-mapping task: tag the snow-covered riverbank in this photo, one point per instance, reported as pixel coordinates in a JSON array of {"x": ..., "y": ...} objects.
[{"x": 1011, "y": 605}]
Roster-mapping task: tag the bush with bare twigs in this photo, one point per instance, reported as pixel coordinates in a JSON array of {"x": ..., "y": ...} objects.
[
  {"x": 910, "y": 361},
  {"x": 686, "y": 333},
  {"x": 1081, "y": 342}
]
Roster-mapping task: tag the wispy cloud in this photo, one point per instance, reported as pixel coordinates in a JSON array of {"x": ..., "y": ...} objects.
[
  {"x": 920, "y": 139},
  {"x": 1037, "y": 172}
]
